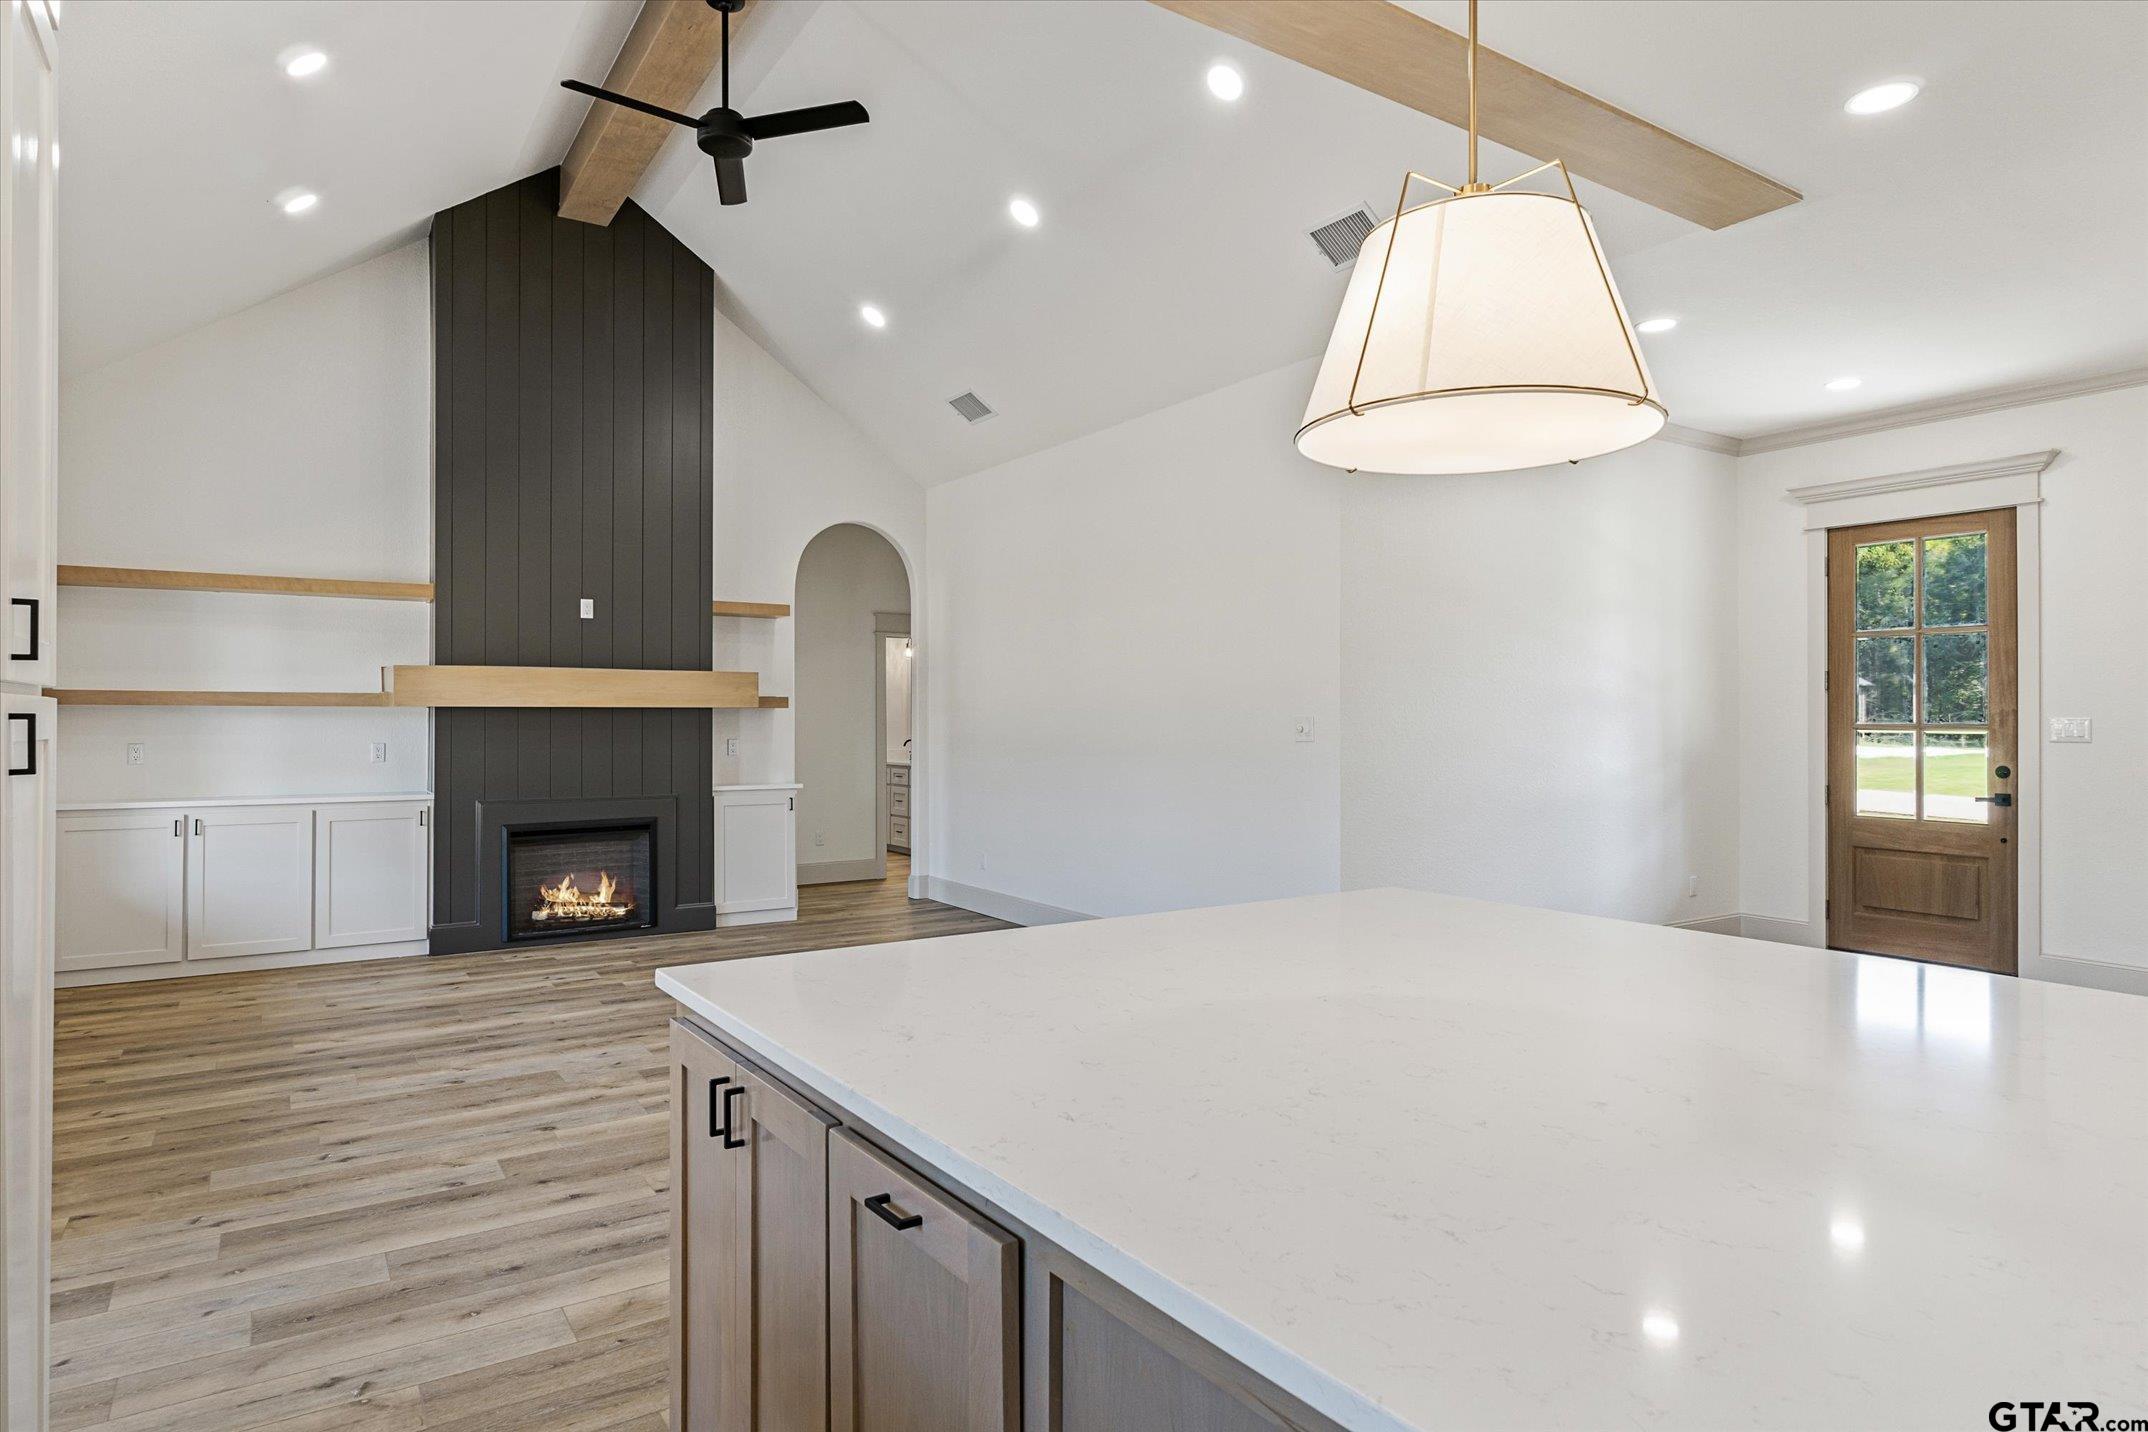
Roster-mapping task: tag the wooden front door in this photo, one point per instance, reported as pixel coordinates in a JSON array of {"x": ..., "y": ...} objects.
[{"x": 1920, "y": 732}]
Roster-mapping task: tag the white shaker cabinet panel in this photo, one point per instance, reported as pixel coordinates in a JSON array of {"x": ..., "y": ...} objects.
[
  {"x": 756, "y": 854},
  {"x": 249, "y": 881},
  {"x": 122, "y": 888},
  {"x": 369, "y": 874}
]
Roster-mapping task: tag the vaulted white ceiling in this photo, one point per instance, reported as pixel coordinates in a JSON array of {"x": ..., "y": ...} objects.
[{"x": 1989, "y": 234}]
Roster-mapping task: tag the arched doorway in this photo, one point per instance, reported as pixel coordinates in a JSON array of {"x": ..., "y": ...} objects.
[{"x": 852, "y": 708}]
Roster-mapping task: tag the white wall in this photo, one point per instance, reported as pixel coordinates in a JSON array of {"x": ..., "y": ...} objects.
[
  {"x": 292, "y": 438},
  {"x": 1539, "y": 684},
  {"x": 1125, "y": 629},
  {"x": 787, "y": 468},
  {"x": 2095, "y": 661},
  {"x": 846, "y": 575}
]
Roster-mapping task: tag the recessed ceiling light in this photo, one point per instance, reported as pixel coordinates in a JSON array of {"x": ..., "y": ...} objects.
[
  {"x": 1848, "y": 1235},
  {"x": 1656, "y": 325},
  {"x": 1024, "y": 212},
  {"x": 1224, "y": 82},
  {"x": 1660, "y": 1328},
  {"x": 873, "y": 317},
  {"x": 1881, "y": 98},
  {"x": 1843, "y": 385},
  {"x": 299, "y": 64},
  {"x": 297, "y": 201}
]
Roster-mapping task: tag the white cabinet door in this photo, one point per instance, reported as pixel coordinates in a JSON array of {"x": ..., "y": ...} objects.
[
  {"x": 756, "y": 850},
  {"x": 29, "y": 362},
  {"x": 369, "y": 874},
  {"x": 249, "y": 881},
  {"x": 122, "y": 888},
  {"x": 26, "y": 922}
]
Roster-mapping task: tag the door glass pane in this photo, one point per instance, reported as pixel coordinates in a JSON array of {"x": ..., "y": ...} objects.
[
  {"x": 1886, "y": 773},
  {"x": 1886, "y": 585},
  {"x": 1954, "y": 580},
  {"x": 1887, "y": 679},
  {"x": 1957, "y": 769},
  {"x": 1955, "y": 677}
]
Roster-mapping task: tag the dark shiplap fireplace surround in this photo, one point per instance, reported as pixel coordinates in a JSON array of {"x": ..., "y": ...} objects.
[{"x": 571, "y": 462}]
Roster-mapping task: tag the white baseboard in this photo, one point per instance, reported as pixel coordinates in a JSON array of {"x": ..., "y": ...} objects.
[
  {"x": 777, "y": 916},
  {"x": 1782, "y": 932},
  {"x": 1012, "y": 908},
  {"x": 188, "y": 969},
  {"x": 2096, "y": 974},
  {"x": 836, "y": 872}
]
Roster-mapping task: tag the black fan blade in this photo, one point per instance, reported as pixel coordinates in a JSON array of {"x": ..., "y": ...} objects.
[
  {"x": 631, "y": 103},
  {"x": 731, "y": 181},
  {"x": 805, "y": 121}
]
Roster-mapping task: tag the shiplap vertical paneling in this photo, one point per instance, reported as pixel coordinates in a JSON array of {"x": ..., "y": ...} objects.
[{"x": 572, "y": 459}]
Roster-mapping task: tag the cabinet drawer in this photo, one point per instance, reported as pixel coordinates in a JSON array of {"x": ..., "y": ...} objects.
[
  {"x": 898, "y": 775},
  {"x": 899, "y": 831},
  {"x": 898, "y": 800},
  {"x": 924, "y": 1314}
]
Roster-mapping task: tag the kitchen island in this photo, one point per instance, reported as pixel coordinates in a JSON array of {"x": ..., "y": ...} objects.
[{"x": 1399, "y": 1160}]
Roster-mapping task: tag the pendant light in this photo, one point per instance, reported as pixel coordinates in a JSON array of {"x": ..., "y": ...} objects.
[{"x": 1480, "y": 332}]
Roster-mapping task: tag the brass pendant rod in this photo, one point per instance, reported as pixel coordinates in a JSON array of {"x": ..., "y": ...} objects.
[{"x": 1472, "y": 93}]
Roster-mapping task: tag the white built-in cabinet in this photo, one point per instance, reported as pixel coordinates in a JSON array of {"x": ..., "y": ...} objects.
[
  {"x": 218, "y": 884},
  {"x": 29, "y": 518},
  {"x": 756, "y": 854}
]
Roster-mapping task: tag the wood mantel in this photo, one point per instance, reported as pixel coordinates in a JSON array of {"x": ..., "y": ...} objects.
[{"x": 568, "y": 686}]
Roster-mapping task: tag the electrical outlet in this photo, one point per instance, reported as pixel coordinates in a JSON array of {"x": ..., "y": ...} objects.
[
  {"x": 380, "y": 753},
  {"x": 2070, "y": 728},
  {"x": 1303, "y": 729},
  {"x": 1693, "y": 887},
  {"x": 730, "y": 745},
  {"x": 134, "y": 753},
  {"x": 819, "y": 838},
  {"x": 589, "y": 608}
]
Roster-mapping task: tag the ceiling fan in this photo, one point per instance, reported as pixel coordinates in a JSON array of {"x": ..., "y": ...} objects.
[{"x": 724, "y": 134}]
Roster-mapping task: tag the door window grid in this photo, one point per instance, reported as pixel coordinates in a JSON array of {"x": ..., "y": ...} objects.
[{"x": 1909, "y": 764}]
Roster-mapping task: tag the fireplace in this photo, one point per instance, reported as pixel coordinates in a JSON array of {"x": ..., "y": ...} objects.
[{"x": 581, "y": 880}]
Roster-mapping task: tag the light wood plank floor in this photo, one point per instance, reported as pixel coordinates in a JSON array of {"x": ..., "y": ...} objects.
[{"x": 417, "y": 1193}]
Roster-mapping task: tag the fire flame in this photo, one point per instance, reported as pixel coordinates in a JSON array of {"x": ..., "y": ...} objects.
[{"x": 565, "y": 901}]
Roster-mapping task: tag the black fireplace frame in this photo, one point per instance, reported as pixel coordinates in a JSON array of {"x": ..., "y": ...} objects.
[{"x": 496, "y": 820}]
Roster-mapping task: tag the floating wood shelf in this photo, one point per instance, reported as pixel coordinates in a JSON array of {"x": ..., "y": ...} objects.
[
  {"x": 154, "y": 580},
  {"x": 750, "y": 609},
  {"x": 775, "y": 703},
  {"x": 217, "y": 698},
  {"x": 568, "y": 686}
]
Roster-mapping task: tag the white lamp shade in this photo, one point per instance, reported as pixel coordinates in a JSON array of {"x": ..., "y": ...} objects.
[{"x": 1490, "y": 337}]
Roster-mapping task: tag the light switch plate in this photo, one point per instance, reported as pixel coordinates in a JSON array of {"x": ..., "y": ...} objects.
[
  {"x": 589, "y": 608},
  {"x": 2070, "y": 728}
]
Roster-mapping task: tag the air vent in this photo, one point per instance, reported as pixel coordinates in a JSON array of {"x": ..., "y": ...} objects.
[
  {"x": 972, "y": 408},
  {"x": 1339, "y": 239}
]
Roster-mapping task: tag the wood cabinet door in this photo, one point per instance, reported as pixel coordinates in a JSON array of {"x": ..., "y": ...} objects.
[
  {"x": 369, "y": 874},
  {"x": 122, "y": 888},
  {"x": 249, "y": 881},
  {"x": 749, "y": 1247},
  {"x": 924, "y": 1325}
]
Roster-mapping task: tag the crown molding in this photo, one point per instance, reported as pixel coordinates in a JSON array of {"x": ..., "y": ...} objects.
[
  {"x": 1699, "y": 438},
  {"x": 1990, "y": 401},
  {"x": 2028, "y": 464}
]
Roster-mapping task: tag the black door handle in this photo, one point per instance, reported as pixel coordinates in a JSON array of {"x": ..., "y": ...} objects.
[
  {"x": 720, "y": 1111},
  {"x": 32, "y": 604},
  {"x": 30, "y": 745},
  {"x": 2003, "y": 798},
  {"x": 878, "y": 1203}
]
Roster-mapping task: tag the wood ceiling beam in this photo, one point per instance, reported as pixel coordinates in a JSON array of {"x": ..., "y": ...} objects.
[
  {"x": 668, "y": 56},
  {"x": 1404, "y": 57}
]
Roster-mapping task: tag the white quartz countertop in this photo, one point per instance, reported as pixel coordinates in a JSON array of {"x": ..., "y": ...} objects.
[
  {"x": 211, "y": 802},
  {"x": 1431, "y": 1162}
]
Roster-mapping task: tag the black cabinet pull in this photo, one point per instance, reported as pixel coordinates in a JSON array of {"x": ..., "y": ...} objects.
[
  {"x": 29, "y": 745},
  {"x": 721, "y": 1112},
  {"x": 32, "y": 604},
  {"x": 878, "y": 1203}
]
